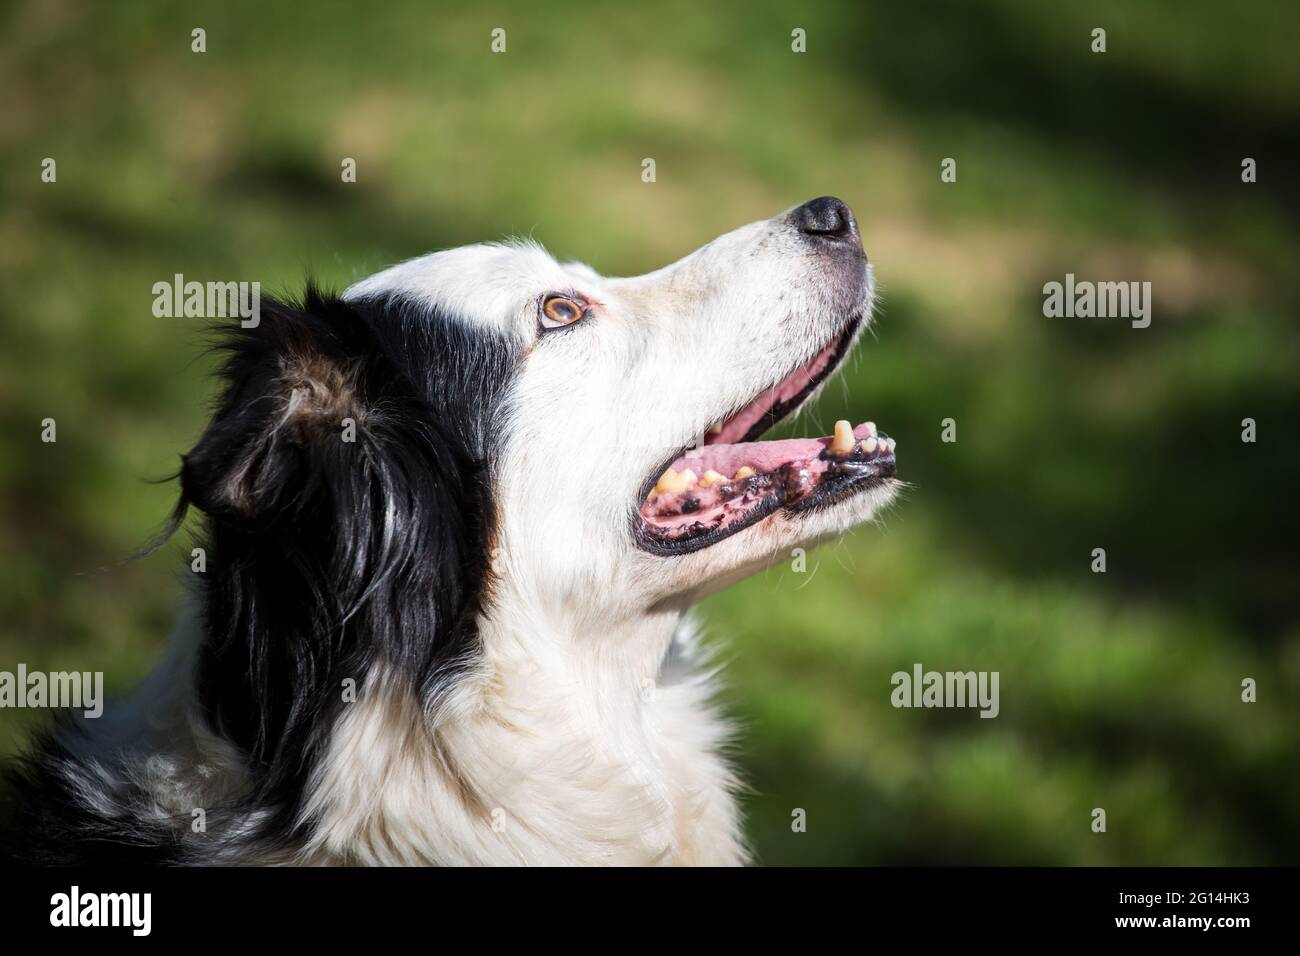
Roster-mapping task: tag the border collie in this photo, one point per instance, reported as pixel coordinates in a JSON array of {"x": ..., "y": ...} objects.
[{"x": 454, "y": 520}]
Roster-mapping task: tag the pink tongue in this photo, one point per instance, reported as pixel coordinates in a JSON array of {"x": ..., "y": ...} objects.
[{"x": 762, "y": 456}]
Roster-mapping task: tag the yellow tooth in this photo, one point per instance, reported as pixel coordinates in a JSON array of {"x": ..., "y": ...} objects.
[
  {"x": 715, "y": 429},
  {"x": 712, "y": 478},
  {"x": 745, "y": 472},
  {"x": 671, "y": 481},
  {"x": 842, "y": 443},
  {"x": 869, "y": 445}
]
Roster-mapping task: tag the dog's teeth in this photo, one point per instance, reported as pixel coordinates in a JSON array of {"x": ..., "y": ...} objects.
[
  {"x": 715, "y": 429},
  {"x": 745, "y": 472},
  {"x": 843, "y": 441},
  {"x": 712, "y": 478},
  {"x": 671, "y": 482},
  {"x": 869, "y": 445},
  {"x": 889, "y": 444},
  {"x": 870, "y": 427}
]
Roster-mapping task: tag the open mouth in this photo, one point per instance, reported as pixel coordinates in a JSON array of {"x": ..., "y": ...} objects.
[{"x": 732, "y": 481}]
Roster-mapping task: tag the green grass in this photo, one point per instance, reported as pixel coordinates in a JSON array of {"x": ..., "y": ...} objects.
[{"x": 1119, "y": 690}]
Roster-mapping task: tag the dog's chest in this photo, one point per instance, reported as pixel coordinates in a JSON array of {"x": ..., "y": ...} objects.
[{"x": 518, "y": 782}]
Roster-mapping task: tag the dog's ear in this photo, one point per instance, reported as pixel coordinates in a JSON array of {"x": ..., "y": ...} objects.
[{"x": 301, "y": 390}]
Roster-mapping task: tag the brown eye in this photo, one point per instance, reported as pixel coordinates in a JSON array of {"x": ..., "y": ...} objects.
[{"x": 559, "y": 311}]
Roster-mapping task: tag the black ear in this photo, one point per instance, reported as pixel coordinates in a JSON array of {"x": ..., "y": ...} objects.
[
  {"x": 299, "y": 392},
  {"x": 324, "y": 455}
]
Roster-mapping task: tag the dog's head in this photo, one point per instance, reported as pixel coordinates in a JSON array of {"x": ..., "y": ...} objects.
[
  {"x": 486, "y": 423},
  {"x": 624, "y": 460}
]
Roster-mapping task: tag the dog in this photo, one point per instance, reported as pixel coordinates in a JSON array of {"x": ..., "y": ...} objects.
[{"x": 454, "y": 520}]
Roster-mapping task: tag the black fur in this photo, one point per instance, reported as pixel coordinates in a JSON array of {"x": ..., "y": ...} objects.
[
  {"x": 50, "y": 822},
  {"x": 325, "y": 557}
]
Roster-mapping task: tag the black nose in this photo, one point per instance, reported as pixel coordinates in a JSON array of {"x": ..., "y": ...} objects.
[{"x": 826, "y": 218}]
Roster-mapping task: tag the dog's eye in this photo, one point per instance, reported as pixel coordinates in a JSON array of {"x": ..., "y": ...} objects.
[{"x": 559, "y": 311}]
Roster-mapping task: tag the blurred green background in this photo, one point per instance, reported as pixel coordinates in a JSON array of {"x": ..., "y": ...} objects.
[{"x": 1118, "y": 690}]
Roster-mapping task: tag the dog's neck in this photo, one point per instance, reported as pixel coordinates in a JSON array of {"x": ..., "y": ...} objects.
[{"x": 574, "y": 741}]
